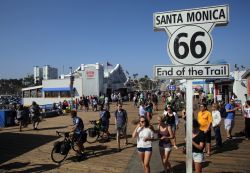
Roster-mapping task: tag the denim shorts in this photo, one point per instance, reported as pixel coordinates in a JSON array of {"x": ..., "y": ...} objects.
[
  {"x": 198, "y": 157},
  {"x": 143, "y": 150}
]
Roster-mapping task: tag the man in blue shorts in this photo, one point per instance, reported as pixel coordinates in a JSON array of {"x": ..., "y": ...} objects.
[{"x": 78, "y": 132}]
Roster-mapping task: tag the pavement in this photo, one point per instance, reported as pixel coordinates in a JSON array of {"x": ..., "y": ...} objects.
[
  {"x": 29, "y": 150},
  {"x": 134, "y": 164}
]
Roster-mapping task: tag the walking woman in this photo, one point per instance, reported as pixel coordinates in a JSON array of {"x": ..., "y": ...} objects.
[
  {"x": 172, "y": 120},
  {"x": 144, "y": 136},
  {"x": 205, "y": 120},
  {"x": 198, "y": 146},
  {"x": 164, "y": 134},
  {"x": 216, "y": 124},
  {"x": 20, "y": 116}
]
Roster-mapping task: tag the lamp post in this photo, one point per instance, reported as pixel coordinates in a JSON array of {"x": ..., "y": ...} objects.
[{"x": 71, "y": 87}]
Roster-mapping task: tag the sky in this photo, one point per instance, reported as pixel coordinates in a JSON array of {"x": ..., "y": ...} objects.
[{"x": 67, "y": 33}]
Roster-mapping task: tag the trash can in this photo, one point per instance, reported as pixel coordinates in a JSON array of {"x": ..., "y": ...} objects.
[{"x": 7, "y": 118}]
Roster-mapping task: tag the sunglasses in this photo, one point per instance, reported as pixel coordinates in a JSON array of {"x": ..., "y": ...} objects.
[{"x": 142, "y": 121}]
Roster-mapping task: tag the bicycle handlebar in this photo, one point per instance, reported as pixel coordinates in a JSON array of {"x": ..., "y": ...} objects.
[
  {"x": 92, "y": 121},
  {"x": 63, "y": 133}
]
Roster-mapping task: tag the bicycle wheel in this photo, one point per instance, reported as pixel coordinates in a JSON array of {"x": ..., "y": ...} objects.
[
  {"x": 103, "y": 137},
  {"x": 74, "y": 147},
  {"x": 57, "y": 157},
  {"x": 92, "y": 136}
]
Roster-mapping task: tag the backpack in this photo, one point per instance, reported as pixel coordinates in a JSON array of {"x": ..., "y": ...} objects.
[
  {"x": 64, "y": 148},
  {"x": 57, "y": 146},
  {"x": 124, "y": 113},
  {"x": 108, "y": 114},
  {"x": 84, "y": 137},
  {"x": 223, "y": 112}
]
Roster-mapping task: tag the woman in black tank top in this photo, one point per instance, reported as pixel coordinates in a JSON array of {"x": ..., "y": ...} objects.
[{"x": 164, "y": 134}]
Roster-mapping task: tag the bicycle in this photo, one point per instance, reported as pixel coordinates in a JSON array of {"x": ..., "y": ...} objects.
[
  {"x": 96, "y": 132},
  {"x": 62, "y": 148}
]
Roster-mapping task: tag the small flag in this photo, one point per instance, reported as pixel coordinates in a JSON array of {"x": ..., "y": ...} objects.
[
  {"x": 136, "y": 74},
  {"x": 108, "y": 64}
]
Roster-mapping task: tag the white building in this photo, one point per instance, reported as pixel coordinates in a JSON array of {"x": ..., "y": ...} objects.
[
  {"x": 49, "y": 72},
  {"x": 38, "y": 73},
  {"x": 46, "y": 72},
  {"x": 90, "y": 79},
  {"x": 239, "y": 85}
]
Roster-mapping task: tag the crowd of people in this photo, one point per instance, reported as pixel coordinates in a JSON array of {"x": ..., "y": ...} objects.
[
  {"x": 207, "y": 120},
  {"x": 204, "y": 122}
]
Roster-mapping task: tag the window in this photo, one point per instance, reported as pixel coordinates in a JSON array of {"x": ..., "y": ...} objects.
[
  {"x": 51, "y": 94},
  {"x": 33, "y": 93},
  {"x": 65, "y": 94},
  {"x": 39, "y": 92},
  {"x": 26, "y": 94}
]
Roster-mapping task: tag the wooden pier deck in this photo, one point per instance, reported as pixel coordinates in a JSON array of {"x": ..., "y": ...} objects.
[{"x": 29, "y": 151}]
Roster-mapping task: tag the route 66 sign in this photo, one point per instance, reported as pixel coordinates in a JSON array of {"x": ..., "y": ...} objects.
[
  {"x": 190, "y": 41},
  {"x": 190, "y": 45}
]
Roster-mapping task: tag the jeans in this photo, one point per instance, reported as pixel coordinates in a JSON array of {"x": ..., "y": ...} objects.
[{"x": 217, "y": 136}]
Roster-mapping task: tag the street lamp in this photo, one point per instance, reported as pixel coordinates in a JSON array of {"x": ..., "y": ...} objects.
[{"x": 71, "y": 87}]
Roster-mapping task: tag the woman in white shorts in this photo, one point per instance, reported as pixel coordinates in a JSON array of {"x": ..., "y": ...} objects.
[
  {"x": 144, "y": 135},
  {"x": 164, "y": 134},
  {"x": 198, "y": 146}
]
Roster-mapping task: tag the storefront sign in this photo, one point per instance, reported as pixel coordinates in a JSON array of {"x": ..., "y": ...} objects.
[{"x": 90, "y": 74}]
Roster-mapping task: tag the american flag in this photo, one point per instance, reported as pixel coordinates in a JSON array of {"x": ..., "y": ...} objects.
[{"x": 109, "y": 64}]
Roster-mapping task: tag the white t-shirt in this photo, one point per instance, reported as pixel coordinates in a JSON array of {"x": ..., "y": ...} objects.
[
  {"x": 141, "y": 111},
  {"x": 216, "y": 118},
  {"x": 142, "y": 134},
  {"x": 247, "y": 112}
]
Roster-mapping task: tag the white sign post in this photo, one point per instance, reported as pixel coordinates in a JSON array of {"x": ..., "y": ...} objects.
[{"x": 189, "y": 46}]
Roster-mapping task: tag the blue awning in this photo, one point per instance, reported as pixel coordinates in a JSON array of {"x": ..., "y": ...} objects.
[
  {"x": 200, "y": 82},
  {"x": 57, "y": 89}
]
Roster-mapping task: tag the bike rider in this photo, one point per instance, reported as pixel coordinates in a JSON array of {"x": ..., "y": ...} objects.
[
  {"x": 78, "y": 132},
  {"x": 104, "y": 118}
]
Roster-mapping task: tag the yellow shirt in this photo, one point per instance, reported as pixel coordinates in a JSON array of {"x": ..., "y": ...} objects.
[{"x": 205, "y": 119}]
